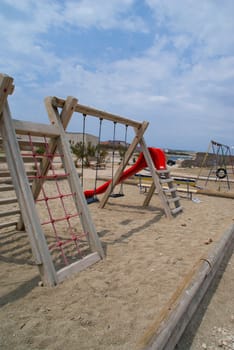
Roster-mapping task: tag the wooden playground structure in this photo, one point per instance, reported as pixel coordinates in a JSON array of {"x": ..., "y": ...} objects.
[{"x": 41, "y": 144}]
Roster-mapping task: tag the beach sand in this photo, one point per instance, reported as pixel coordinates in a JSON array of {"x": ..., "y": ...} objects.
[{"x": 112, "y": 304}]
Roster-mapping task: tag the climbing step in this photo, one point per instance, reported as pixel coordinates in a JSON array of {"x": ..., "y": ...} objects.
[
  {"x": 6, "y": 188},
  {"x": 164, "y": 181},
  {"x": 8, "y": 224},
  {"x": 172, "y": 200},
  {"x": 169, "y": 190},
  {"x": 159, "y": 172},
  {"x": 8, "y": 200},
  {"x": 176, "y": 210},
  {"x": 9, "y": 213}
]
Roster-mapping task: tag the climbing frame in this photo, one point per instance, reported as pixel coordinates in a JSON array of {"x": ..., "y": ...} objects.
[{"x": 54, "y": 211}]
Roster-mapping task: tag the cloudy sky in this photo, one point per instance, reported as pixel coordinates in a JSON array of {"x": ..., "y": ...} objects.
[{"x": 170, "y": 62}]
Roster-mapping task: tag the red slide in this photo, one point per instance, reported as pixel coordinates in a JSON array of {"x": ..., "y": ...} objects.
[{"x": 159, "y": 160}]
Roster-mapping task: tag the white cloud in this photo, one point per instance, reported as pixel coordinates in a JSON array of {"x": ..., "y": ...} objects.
[
  {"x": 208, "y": 23},
  {"x": 103, "y": 14},
  {"x": 182, "y": 82}
]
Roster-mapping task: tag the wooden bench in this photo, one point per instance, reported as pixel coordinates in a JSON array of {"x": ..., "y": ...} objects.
[{"x": 186, "y": 186}]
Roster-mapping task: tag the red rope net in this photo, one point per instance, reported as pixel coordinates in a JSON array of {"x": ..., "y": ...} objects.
[{"x": 55, "y": 204}]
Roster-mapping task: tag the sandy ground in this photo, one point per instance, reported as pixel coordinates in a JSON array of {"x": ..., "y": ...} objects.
[{"x": 111, "y": 304}]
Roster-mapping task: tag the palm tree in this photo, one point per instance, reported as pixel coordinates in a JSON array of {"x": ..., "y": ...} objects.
[
  {"x": 78, "y": 150},
  {"x": 85, "y": 153}
]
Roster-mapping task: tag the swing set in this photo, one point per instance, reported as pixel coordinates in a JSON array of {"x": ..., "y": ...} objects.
[
  {"x": 217, "y": 158},
  {"x": 154, "y": 159}
]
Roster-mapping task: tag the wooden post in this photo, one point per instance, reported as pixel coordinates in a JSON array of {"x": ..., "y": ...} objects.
[{"x": 6, "y": 88}]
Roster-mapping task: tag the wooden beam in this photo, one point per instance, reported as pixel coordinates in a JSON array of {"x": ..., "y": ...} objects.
[
  {"x": 36, "y": 129},
  {"x": 59, "y": 102},
  {"x": 77, "y": 266}
]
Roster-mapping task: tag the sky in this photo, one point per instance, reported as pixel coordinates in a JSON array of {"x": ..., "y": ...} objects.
[{"x": 169, "y": 62}]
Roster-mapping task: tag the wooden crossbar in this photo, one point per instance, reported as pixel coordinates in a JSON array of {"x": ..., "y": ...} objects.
[
  {"x": 59, "y": 102},
  {"x": 36, "y": 129}
]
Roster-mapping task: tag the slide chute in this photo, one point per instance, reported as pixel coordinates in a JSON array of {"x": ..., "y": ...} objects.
[{"x": 158, "y": 158}]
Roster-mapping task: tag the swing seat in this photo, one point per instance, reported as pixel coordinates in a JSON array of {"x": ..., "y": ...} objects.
[
  {"x": 116, "y": 195},
  {"x": 221, "y": 173},
  {"x": 92, "y": 200}
]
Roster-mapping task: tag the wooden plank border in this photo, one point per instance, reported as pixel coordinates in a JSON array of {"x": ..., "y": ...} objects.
[{"x": 166, "y": 331}]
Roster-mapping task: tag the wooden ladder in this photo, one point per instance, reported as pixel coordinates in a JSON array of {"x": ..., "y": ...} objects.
[
  {"x": 169, "y": 191},
  {"x": 163, "y": 184}
]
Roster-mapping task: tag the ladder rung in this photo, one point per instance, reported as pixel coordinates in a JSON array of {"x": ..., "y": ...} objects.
[
  {"x": 169, "y": 190},
  {"x": 172, "y": 200},
  {"x": 164, "y": 181},
  {"x": 9, "y": 213},
  {"x": 6, "y": 180},
  {"x": 5, "y": 173},
  {"x": 8, "y": 200},
  {"x": 176, "y": 210},
  {"x": 8, "y": 224},
  {"x": 166, "y": 171},
  {"x": 6, "y": 188}
]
